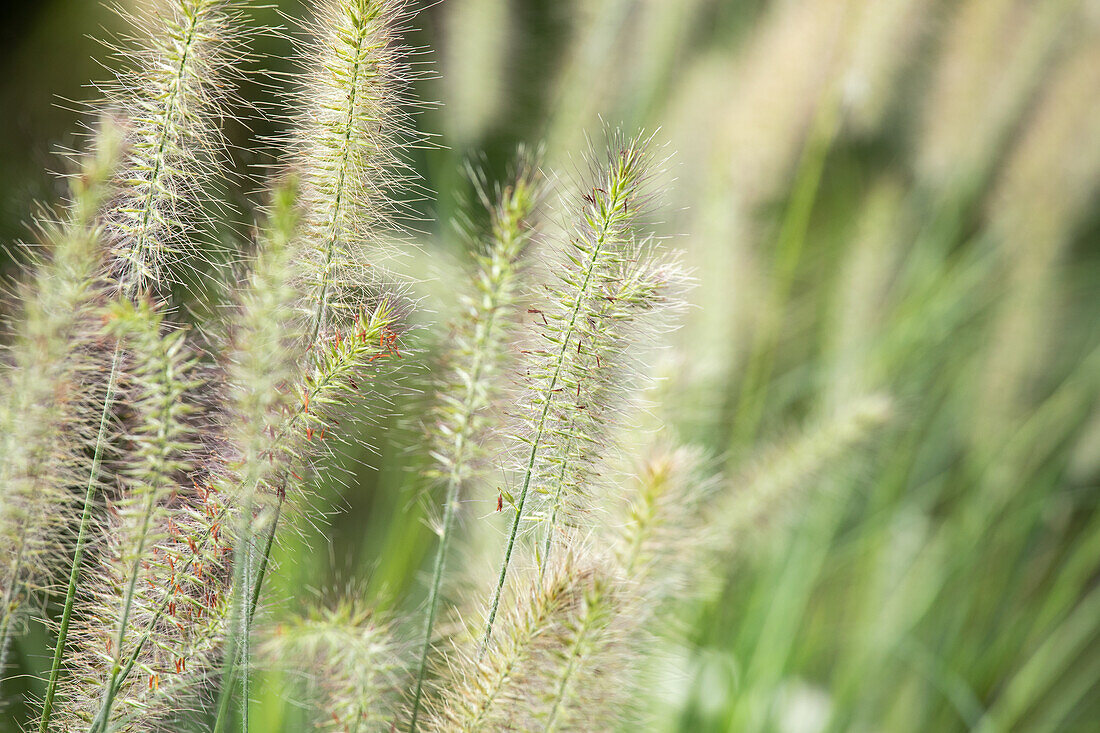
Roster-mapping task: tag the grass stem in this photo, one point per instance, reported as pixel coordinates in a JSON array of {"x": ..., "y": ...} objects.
[{"x": 81, "y": 539}]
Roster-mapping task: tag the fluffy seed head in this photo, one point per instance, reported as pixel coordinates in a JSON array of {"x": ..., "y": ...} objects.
[
  {"x": 170, "y": 96},
  {"x": 156, "y": 594},
  {"x": 350, "y": 129},
  {"x": 40, "y": 425},
  {"x": 346, "y": 658}
]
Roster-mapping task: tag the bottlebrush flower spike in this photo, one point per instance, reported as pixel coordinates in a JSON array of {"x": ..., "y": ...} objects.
[
  {"x": 171, "y": 94},
  {"x": 152, "y": 555},
  {"x": 603, "y": 279},
  {"x": 42, "y": 397},
  {"x": 531, "y": 660},
  {"x": 350, "y": 129}
]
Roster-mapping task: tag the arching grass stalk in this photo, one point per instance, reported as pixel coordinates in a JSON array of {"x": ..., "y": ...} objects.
[
  {"x": 341, "y": 363},
  {"x": 600, "y": 376},
  {"x": 611, "y": 207},
  {"x": 476, "y": 358},
  {"x": 349, "y": 131}
]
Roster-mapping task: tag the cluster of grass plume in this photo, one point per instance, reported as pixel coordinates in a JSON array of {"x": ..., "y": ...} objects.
[
  {"x": 204, "y": 434},
  {"x": 188, "y": 457},
  {"x": 604, "y": 550},
  {"x": 192, "y": 439}
]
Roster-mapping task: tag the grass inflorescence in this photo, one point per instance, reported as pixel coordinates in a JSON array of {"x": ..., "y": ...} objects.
[{"x": 259, "y": 471}]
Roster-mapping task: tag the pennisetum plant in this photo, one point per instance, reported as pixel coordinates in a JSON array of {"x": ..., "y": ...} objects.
[
  {"x": 42, "y": 398},
  {"x": 480, "y": 350},
  {"x": 167, "y": 97},
  {"x": 155, "y": 458}
]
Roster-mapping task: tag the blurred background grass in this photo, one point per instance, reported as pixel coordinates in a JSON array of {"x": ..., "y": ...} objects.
[{"x": 876, "y": 195}]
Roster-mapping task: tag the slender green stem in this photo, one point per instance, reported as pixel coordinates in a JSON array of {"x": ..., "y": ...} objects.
[
  {"x": 433, "y": 598},
  {"x": 262, "y": 570},
  {"x": 554, "y": 511},
  {"x": 246, "y": 623},
  {"x": 81, "y": 539}
]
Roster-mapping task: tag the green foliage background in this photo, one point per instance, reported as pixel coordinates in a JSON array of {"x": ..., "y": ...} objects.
[{"x": 894, "y": 196}]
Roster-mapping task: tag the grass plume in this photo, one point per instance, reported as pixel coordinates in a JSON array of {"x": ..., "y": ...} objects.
[
  {"x": 602, "y": 242},
  {"x": 480, "y": 343},
  {"x": 41, "y": 391}
]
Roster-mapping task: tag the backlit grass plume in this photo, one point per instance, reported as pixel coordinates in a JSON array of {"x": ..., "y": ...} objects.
[
  {"x": 605, "y": 273},
  {"x": 41, "y": 390},
  {"x": 143, "y": 526},
  {"x": 480, "y": 342},
  {"x": 603, "y": 373},
  {"x": 172, "y": 93},
  {"x": 656, "y": 526},
  {"x": 350, "y": 129}
]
